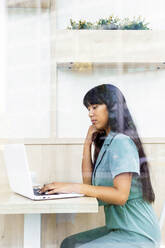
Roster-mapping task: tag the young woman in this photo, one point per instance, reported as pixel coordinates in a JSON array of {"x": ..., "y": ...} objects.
[{"x": 118, "y": 177}]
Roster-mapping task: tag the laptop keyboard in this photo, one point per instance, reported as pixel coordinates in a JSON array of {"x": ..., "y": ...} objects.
[{"x": 36, "y": 192}]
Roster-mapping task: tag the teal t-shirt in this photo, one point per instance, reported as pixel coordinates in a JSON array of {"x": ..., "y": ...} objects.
[{"x": 119, "y": 155}]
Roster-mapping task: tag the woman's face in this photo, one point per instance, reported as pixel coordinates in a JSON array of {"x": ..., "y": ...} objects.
[{"x": 98, "y": 113}]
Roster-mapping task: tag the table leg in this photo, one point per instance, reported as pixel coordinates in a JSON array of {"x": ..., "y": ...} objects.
[{"x": 32, "y": 230}]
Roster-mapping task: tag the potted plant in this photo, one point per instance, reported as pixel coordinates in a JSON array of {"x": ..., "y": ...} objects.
[{"x": 111, "y": 23}]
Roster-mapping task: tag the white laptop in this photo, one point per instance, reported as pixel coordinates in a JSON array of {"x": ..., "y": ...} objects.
[{"x": 20, "y": 177}]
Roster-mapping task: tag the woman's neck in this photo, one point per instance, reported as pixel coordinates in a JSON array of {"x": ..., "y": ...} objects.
[{"x": 107, "y": 131}]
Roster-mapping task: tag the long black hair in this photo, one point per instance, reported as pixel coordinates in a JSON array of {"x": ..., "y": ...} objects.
[{"x": 120, "y": 121}]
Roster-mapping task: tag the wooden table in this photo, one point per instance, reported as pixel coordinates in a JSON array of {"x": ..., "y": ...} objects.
[{"x": 11, "y": 203}]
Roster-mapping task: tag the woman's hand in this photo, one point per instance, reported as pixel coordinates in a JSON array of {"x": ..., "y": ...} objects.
[
  {"x": 91, "y": 132},
  {"x": 57, "y": 187}
]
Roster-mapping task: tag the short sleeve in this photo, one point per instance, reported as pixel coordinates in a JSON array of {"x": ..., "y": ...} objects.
[{"x": 124, "y": 156}]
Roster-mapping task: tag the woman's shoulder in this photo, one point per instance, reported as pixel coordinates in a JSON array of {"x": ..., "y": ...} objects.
[{"x": 121, "y": 139}]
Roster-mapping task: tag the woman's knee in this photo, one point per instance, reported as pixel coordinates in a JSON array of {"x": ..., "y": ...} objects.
[
  {"x": 69, "y": 242},
  {"x": 64, "y": 243}
]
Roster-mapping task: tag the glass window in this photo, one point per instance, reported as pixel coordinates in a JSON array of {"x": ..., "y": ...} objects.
[{"x": 28, "y": 88}]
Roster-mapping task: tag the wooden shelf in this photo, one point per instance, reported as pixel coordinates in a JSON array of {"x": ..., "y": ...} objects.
[
  {"x": 144, "y": 46},
  {"x": 119, "y": 67},
  {"x": 28, "y": 4}
]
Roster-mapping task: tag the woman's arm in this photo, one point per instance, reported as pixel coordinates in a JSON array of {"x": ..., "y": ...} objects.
[
  {"x": 118, "y": 194},
  {"x": 87, "y": 164}
]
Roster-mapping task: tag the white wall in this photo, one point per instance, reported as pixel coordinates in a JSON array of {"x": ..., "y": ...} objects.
[
  {"x": 2, "y": 55},
  {"x": 92, "y": 10},
  {"x": 26, "y": 97},
  {"x": 143, "y": 89},
  {"x": 27, "y": 94}
]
